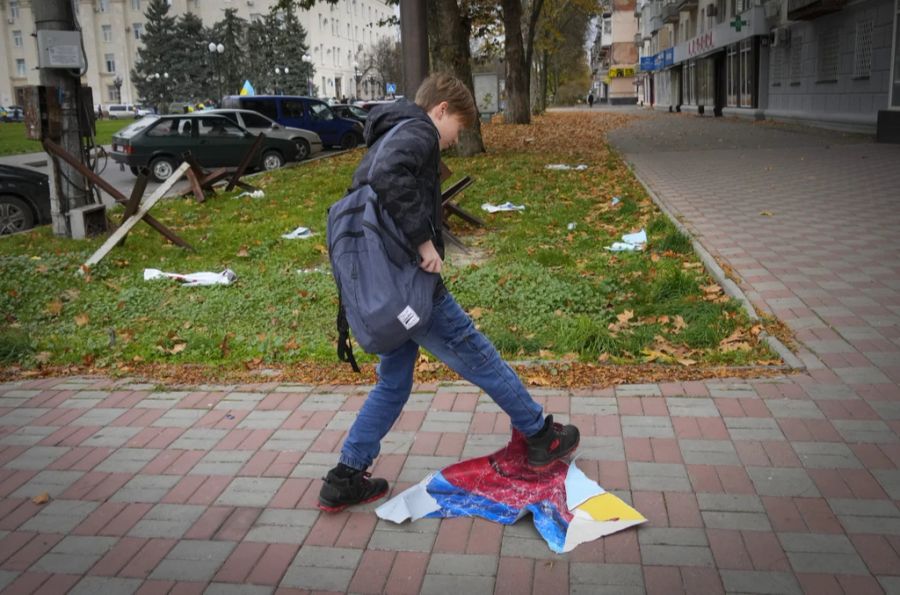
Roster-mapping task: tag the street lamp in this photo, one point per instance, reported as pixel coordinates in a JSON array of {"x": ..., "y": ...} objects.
[
  {"x": 160, "y": 89},
  {"x": 278, "y": 72},
  {"x": 307, "y": 60},
  {"x": 357, "y": 75},
  {"x": 216, "y": 49}
]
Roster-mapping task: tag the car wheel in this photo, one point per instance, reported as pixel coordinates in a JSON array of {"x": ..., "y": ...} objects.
[
  {"x": 303, "y": 149},
  {"x": 161, "y": 169},
  {"x": 272, "y": 160},
  {"x": 349, "y": 141},
  {"x": 15, "y": 215}
]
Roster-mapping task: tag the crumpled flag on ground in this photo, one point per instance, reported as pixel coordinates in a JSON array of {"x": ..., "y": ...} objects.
[
  {"x": 567, "y": 507},
  {"x": 226, "y": 277}
]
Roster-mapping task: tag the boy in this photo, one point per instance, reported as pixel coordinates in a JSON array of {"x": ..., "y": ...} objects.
[{"x": 406, "y": 180}]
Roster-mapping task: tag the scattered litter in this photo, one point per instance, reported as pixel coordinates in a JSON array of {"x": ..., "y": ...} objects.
[
  {"x": 507, "y": 206},
  {"x": 226, "y": 277},
  {"x": 301, "y": 233},
  {"x": 570, "y": 226},
  {"x": 229, "y": 416},
  {"x": 615, "y": 200},
  {"x": 565, "y": 167},
  {"x": 41, "y": 498},
  {"x": 766, "y": 213},
  {"x": 254, "y": 194},
  {"x": 631, "y": 242},
  {"x": 567, "y": 507}
]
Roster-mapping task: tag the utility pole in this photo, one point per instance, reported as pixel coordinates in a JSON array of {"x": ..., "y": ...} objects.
[
  {"x": 413, "y": 44},
  {"x": 67, "y": 186}
]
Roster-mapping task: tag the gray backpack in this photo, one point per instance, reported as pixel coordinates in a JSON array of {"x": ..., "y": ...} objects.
[{"x": 382, "y": 292}]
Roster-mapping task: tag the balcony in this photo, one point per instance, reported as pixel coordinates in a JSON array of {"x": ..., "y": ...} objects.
[
  {"x": 656, "y": 24},
  {"x": 806, "y": 10},
  {"x": 686, "y": 4},
  {"x": 670, "y": 13}
]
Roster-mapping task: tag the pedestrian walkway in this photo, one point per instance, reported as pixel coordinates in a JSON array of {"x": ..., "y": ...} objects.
[{"x": 784, "y": 485}]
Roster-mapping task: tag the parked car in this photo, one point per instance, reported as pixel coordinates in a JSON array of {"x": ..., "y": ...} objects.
[
  {"x": 24, "y": 199},
  {"x": 368, "y": 105},
  {"x": 158, "y": 142},
  {"x": 140, "y": 111},
  {"x": 12, "y": 113},
  {"x": 118, "y": 111},
  {"x": 351, "y": 112},
  {"x": 308, "y": 142},
  {"x": 302, "y": 112}
]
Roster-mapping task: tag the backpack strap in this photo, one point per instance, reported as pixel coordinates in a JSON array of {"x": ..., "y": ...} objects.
[
  {"x": 344, "y": 347},
  {"x": 381, "y": 143}
]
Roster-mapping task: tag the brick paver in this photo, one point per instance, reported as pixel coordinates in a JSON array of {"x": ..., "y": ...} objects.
[{"x": 776, "y": 485}]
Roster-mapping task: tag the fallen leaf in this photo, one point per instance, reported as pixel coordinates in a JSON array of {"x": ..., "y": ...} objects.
[
  {"x": 81, "y": 319},
  {"x": 41, "y": 498},
  {"x": 685, "y": 361},
  {"x": 679, "y": 323},
  {"x": 243, "y": 253},
  {"x": 625, "y": 316},
  {"x": 54, "y": 308},
  {"x": 766, "y": 213},
  {"x": 475, "y": 313},
  {"x": 43, "y": 357},
  {"x": 178, "y": 348}
]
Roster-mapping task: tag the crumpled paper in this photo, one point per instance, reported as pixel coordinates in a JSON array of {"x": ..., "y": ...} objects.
[
  {"x": 507, "y": 206},
  {"x": 253, "y": 194},
  {"x": 565, "y": 167},
  {"x": 226, "y": 277},
  {"x": 301, "y": 233},
  {"x": 631, "y": 242},
  {"x": 567, "y": 507}
]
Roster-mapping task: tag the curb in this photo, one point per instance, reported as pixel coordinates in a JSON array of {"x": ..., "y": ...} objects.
[{"x": 712, "y": 267}]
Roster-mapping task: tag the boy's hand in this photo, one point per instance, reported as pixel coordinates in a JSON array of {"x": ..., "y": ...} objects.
[{"x": 431, "y": 260}]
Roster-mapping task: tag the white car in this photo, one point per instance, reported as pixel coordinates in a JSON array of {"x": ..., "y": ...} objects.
[{"x": 308, "y": 142}]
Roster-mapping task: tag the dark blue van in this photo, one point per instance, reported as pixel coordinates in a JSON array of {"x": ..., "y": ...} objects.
[{"x": 302, "y": 112}]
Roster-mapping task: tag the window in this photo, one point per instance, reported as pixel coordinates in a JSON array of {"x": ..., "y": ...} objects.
[
  {"x": 292, "y": 108},
  {"x": 257, "y": 121},
  {"x": 102, "y": 5},
  {"x": 13, "y": 9},
  {"x": 732, "y": 70},
  {"x": 17, "y": 38},
  {"x": 107, "y": 33},
  {"x": 165, "y": 127},
  {"x": 796, "y": 58},
  {"x": 777, "y": 56},
  {"x": 320, "y": 111},
  {"x": 748, "y": 72},
  {"x": 20, "y": 67},
  {"x": 110, "y": 60},
  {"x": 138, "y": 29},
  {"x": 322, "y": 90},
  {"x": 135, "y": 4},
  {"x": 266, "y": 107},
  {"x": 829, "y": 54},
  {"x": 114, "y": 94},
  {"x": 219, "y": 127},
  {"x": 862, "y": 52}
]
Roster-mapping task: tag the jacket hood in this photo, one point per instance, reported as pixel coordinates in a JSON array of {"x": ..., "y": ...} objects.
[{"x": 384, "y": 117}]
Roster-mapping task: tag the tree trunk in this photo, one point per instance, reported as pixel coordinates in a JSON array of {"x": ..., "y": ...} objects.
[
  {"x": 450, "y": 54},
  {"x": 517, "y": 100},
  {"x": 545, "y": 78}
]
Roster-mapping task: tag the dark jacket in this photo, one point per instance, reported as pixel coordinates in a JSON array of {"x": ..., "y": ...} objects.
[{"x": 406, "y": 177}]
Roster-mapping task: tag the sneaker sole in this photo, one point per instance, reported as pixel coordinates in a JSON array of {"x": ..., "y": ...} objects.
[
  {"x": 340, "y": 507},
  {"x": 553, "y": 460}
]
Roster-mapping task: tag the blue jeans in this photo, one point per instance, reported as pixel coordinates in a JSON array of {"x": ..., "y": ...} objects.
[{"x": 452, "y": 338}]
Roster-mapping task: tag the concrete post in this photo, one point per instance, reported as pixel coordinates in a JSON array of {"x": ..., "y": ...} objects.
[{"x": 413, "y": 44}]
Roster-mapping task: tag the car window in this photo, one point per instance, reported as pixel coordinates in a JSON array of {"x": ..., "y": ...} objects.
[
  {"x": 358, "y": 111},
  {"x": 136, "y": 127},
  {"x": 266, "y": 107},
  {"x": 256, "y": 121},
  {"x": 232, "y": 117},
  {"x": 218, "y": 127},
  {"x": 291, "y": 108},
  {"x": 165, "y": 127},
  {"x": 321, "y": 111}
]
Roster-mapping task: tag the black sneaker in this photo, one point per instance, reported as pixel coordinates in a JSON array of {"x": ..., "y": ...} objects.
[
  {"x": 553, "y": 442},
  {"x": 339, "y": 492}
]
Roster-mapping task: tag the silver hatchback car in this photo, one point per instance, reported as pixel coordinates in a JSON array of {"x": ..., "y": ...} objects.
[{"x": 308, "y": 142}]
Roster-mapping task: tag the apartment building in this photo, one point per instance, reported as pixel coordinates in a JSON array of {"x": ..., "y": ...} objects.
[
  {"x": 615, "y": 56},
  {"x": 830, "y": 63},
  {"x": 112, "y": 30}
]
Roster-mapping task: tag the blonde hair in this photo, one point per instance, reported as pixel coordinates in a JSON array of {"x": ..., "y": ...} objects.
[{"x": 444, "y": 87}]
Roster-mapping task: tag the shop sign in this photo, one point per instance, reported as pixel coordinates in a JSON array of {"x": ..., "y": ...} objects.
[
  {"x": 665, "y": 58},
  {"x": 648, "y": 63},
  {"x": 621, "y": 72},
  {"x": 701, "y": 44}
]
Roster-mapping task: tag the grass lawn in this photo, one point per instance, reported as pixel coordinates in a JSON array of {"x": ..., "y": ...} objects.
[
  {"x": 541, "y": 291},
  {"x": 13, "y": 141}
]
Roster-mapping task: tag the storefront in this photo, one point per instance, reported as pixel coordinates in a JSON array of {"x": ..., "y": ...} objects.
[
  {"x": 888, "y": 123},
  {"x": 720, "y": 67}
]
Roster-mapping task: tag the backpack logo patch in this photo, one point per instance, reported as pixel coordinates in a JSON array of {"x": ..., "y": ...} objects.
[{"x": 408, "y": 318}]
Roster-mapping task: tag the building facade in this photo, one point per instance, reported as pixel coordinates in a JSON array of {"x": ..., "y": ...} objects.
[
  {"x": 830, "y": 63},
  {"x": 615, "y": 55},
  {"x": 337, "y": 34}
]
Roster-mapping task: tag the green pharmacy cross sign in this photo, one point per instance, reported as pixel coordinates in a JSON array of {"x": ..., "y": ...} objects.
[{"x": 737, "y": 23}]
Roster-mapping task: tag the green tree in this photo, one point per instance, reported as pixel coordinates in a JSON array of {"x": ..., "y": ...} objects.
[
  {"x": 288, "y": 48},
  {"x": 193, "y": 74},
  {"x": 155, "y": 56},
  {"x": 231, "y": 32}
]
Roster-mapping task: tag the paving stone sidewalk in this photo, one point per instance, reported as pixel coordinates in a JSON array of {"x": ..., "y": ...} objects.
[{"x": 784, "y": 485}]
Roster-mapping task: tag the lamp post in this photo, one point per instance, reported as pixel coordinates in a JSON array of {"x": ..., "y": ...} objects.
[
  {"x": 117, "y": 83},
  {"x": 217, "y": 49},
  {"x": 278, "y": 72},
  {"x": 307, "y": 61},
  {"x": 159, "y": 88},
  {"x": 357, "y": 75}
]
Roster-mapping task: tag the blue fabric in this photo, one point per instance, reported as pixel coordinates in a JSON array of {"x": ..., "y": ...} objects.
[{"x": 452, "y": 337}]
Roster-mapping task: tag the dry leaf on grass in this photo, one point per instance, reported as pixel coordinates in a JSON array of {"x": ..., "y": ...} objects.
[{"x": 82, "y": 319}]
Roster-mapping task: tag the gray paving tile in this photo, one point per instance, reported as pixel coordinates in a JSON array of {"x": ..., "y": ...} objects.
[
  {"x": 646, "y": 426},
  {"x": 275, "y": 525},
  {"x": 128, "y": 460},
  {"x": 826, "y": 455},
  {"x": 91, "y": 585},
  {"x": 761, "y": 582},
  {"x": 409, "y": 537},
  {"x": 250, "y": 491},
  {"x": 167, "y": 521},
  {"x": 59, "y": 516},
  {"x": 27, "y": 436},
  {"x": 146, "y": 488},
  {"x": 691, "y": 407},
  {"x": 322, "y": 568},
  {"x": 221, "y": 462},
  {"x": 753, "y": 428},
  {"x": 37, "y": 457},
  {"x": 198, "y": 439},
  {"x": 291, "y": 440},
  {"x": 708, "y": 452},
  {"x": 52, "y": 482},
  {"x": 193, "y": 560},
  {"x": 794, "y": 408},
  {"x": 74, "y": 555},
  {"x": 772, "y": 481},
  {"x": 829, "y": 554},
  {"x": 864, "y": 431},
  {"x": 440, "y": 584},
  {"x": 659, "y": 477}
]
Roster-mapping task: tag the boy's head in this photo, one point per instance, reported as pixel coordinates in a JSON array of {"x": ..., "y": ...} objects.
[{"x": 449, "y": 104}]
